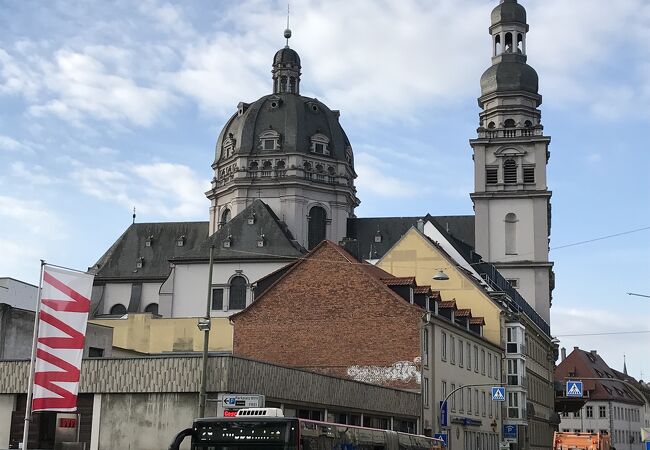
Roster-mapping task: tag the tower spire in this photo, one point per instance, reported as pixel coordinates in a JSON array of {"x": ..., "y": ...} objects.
[
  {"x": 286, "y": 67},
  {"x": 287, "y": 31},
  {"x": 624, "y": 365}
]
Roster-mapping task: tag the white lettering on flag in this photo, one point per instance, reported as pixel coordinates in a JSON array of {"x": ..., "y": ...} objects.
[{"x": 65, "y": 302}]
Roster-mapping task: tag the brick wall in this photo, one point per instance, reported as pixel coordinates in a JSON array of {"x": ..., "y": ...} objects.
[{"x": 330, "y": 315}]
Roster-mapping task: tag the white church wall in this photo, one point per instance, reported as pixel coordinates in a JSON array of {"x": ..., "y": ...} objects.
[
  {"x": 191, "y": 284},
  {"x": 524, "y": 230},
  {"x": 115, "y": 293},
  {"x": 150, "y": 294}
]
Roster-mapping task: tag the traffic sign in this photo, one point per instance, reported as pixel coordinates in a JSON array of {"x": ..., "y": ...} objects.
[
  {"x": 510, "y": 433},
  {"x": 442, "y": 436},
  {"x": 499, "y": 394},
  {"x": 444, "y": 416},
  {"x": 574, "y": 388},
  {"x": 647, "y": 445}
]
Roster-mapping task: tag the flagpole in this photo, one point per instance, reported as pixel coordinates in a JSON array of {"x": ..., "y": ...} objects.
[{"x": 30, "y": 385}]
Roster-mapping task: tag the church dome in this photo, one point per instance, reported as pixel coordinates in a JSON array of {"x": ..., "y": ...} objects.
[
  {"x": 510, "y": 74},
  {"x": 509, "y": 11},
  {"x": 286, "y": 56},
  {"x": 292, "y": 121}
]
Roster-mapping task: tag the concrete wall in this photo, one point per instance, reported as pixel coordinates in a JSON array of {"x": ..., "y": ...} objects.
[
  {"x": 415, "y": 255},
  {"x": 145, "y": 421},
  {"x": 18, "y": 293},
  {"x": 146, "y": 333},
  {"x": 7, "y": 404}
]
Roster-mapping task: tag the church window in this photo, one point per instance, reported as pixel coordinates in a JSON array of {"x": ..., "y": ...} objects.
[
  {"x": 508, "y": 43},
  {"x": 266, "y": 168},
  {"x": 509, "y": 123},
  {"x": 528, "y": 124},
  {"x": 308, "y": 170},
  {"x": 319, "y": 144},
  {"x": 511, "y": 234},
  {"x": 529, "y": 174},
  {"x": 497, "y": 45},
  {"x": 237, "y": 295},
  {"x": 118, "y": 310},
  {"x": 228, "y": 146},
  {"x": 152, "y": 308},
  {"x": 510, "y": 171},
  {"x": 217, "y": 299},
  {"x": 280, "y": 169},
  {"x": 292, "y": 85},
  {"x": 283, "y": 84},
  {"x": 317, "y": 223},
  {"x": 270, "y": 140},
  {"x": 225, "y": 216},
  {"x": 520, "y": 43},
  {"x": 491, "y": 175},
  {"x": 491, "y": 125}
]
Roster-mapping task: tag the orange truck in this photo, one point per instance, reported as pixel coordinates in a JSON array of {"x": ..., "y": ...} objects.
[{"x": 581, "y": 441}]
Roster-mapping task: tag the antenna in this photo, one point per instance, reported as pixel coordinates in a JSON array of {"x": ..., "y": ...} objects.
[
  {"x": 134, "y": 214},
  {"x": 287, "y": 32}
]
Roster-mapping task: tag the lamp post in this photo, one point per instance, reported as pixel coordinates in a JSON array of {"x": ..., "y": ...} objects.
[
  {"x": 204, "y": 325},
  {"x": 444, "y": 402}
]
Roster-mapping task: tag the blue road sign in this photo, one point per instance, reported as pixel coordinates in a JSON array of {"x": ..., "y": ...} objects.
[
  {"x": 442, "y": 436},
  {"x": 510, "y": 431},
  {"x": 499, "y": 394},
  {"x": 647, "y": 445},
  {"x": 444, "y": 417},
  {"x": 574, "y": 388}
]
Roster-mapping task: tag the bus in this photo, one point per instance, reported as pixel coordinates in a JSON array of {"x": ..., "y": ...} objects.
[{"x": 268, "y": 429}]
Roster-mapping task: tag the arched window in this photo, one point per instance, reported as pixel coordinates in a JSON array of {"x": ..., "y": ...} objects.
[
  {"x": 225, "y": 216},
  {"x": 509, "y": 123},
  {"x": 497, "y": 45},
  {"x": 118, "y": 310},
  {"x": 510, "y": 171},
  {"x": 508, "y": 43},
  {"x": 317, "y": 226},
  {"x": 520, "y": 43},
  {"x": 491, "y": 125},
  {"x": 511, "y": 234},
  {"x": 237, "y": 297},
  {"x": 152, "y": 308}
]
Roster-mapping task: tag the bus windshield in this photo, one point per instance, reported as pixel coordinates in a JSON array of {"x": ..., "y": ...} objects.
[{"x": 244, "y": 435}]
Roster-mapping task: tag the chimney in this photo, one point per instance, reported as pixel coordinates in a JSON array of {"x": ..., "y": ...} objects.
[
  {"x": 563, "y": 353},
  {"x": 352, "y": 247},
  {"x": 594, "y": 352}
]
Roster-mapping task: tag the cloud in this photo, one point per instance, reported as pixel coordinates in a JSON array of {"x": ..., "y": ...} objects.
[
  {"x": 34, "y": 175},
  {"x": 159, "y": 189},
  {"x": 9, "y": 144},
  {"x": 29, "y": 216},
  {"x": 373, "y": 178}
]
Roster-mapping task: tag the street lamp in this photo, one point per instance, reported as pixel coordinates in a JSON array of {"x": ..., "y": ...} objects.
[{"x": 440, "y": 276}]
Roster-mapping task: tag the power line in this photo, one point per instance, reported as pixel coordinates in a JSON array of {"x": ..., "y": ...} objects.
[
  {"x": 601, "y": 238},
  {"x": 604, "y": 334}
]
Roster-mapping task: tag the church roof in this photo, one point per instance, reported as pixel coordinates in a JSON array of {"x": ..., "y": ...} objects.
[
  {"x": 122, "y": 260},
  {"x": 391, "y": 229},
  {"x": 254, "y": 225}
]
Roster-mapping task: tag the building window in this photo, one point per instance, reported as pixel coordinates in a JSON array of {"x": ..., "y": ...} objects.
[
  {"x": 510, "y": 171},
  {"x": 483, "y": 408},
  {"x": 491, "y": 175},
  {"x": 237, "y": 296},
  {"x": 469, "y": 400},
  {"x": 152, "y": 308},
  {"x": 225, "y": 216},
  {"x": 511, "y": 233},
  {"x": 602, "y": 412},
  {"x": 95, "y": 352},
  {"x": 589, "y": 411},
  {"x": 514, "y": 282},
  {"x": 513, "y": 405},
  {"x": 443, "y": 346},
  {"x": 482, "y": 362},
  {"x": 320, "y": 144},
  {"x": 217, "y": 299},
  {"x": 443, "y": 393},
  {"x": 425, "y": 391},
  {"x": 425, "y": 346},
  {"x": 475, "y": 359},
  {"x": 476, "y": 405},
  {"x": 453, "y": 397},
  {"x": 529, "y": 174},
  {"x": 576, "y": 414},
  {"x": 452, "y": 350},
  {"x": 118, "y": 310},
  {"x": 462, "y": 398},
  {"x": 461, "y": 357},
  {"x": 489, "y": 365},
  {"x": 270, "y": 140},
  {"x": 469, "y": 356},
  {"x": 317, "y": 226}
]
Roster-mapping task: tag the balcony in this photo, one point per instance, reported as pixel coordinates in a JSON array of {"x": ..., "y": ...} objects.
[{"x": 508, "y": 133}]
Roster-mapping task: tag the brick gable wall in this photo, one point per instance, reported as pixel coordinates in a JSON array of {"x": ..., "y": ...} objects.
[{"x": 331, "y": 316}]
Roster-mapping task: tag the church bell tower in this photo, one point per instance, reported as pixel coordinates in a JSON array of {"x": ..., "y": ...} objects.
[{"x": 511, "y": 196}]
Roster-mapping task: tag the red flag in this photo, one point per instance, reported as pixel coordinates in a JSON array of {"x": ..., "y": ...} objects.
[{"x": 65, "y": 302}]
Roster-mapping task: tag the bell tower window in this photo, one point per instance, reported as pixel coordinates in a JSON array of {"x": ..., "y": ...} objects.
[
  {"x": 508, "y": 43},
  {"x": 511, "y": 234},
  {"x": 491, "y": 175},
  {"x": 320, "y": 144},
  {"x": 225, "y": 216},
  {"x": 317, "y": 226},
  {"x": 497, "y": 45},
  {"x": 529, "y": 174},
  {"x": 510, "y": 171}
]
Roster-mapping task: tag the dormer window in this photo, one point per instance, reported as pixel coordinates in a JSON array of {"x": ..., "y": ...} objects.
[
  {"x": 149, "y": 241},
  {"x": 260, "y": 240},
  {"x": 139, "y": 262},
  {"x": 270, "y": 140},
  {"x": 227, "y": 243},
  {"x": 228, "y": 146},
  {"x": 180, "y": 241},
  {"x": 378, "y": 237},
  {"x": 251, "y": 219},
  {"x": 320, "y": 144}
]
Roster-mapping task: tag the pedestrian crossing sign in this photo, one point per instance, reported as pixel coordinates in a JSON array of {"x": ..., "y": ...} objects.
[
  {"x": 574, "y": 388},
  {"x": 499, "y": 394}
]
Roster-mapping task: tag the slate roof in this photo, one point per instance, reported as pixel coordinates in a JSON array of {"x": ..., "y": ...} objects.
[
  {"x": 244, "y": 237},
  {"x": 120, "y": 260},
  {"x": 391, "y": 229}
]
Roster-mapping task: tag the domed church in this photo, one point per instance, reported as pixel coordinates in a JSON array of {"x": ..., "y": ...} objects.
[{"x": 289, "y": 151}]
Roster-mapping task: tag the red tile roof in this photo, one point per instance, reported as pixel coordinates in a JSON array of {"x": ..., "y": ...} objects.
[
  {"x": 448, "y": 304},
  {"x": 399, "y": 281},
  {"x": 477, "y": 321},
  {"x": 422, "y": 290},
  {"x": 435, "y": 295},
  {"x": 464, "y": 313}
]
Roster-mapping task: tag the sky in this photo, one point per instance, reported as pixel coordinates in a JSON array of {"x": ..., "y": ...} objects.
[{"x": 110, "y": 105}]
